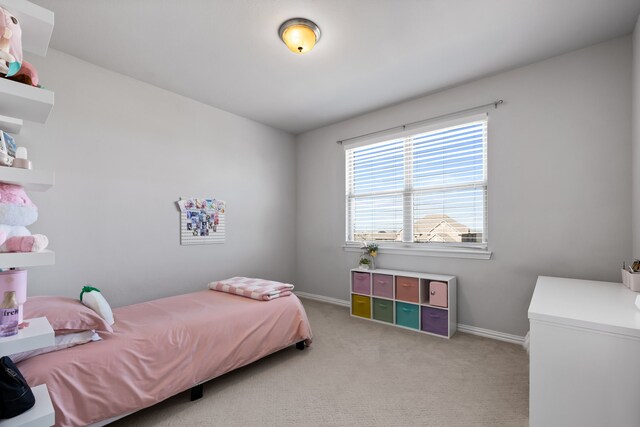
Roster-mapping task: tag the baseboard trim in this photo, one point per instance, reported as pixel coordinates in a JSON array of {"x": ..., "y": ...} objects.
[
  {"x": 488, "y": 333},
  {"x": 334, "y": 301},
  {"x": 473, "y": 330}
]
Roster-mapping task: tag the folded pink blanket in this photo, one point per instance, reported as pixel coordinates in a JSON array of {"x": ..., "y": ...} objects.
[{"x": 260, "y": 289}]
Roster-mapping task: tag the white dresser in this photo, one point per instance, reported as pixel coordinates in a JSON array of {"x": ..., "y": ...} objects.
[{"x": 585, "y": 354}]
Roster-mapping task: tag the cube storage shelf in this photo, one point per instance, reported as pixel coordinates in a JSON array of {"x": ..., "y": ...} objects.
[{"x": 421, "y": 302}]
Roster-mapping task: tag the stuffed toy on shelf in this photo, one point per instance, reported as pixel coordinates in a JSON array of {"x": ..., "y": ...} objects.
[
  {"x": 12, "y": 64},
  {"x": 17, "y": 211},
  {"x": 10, "y": 44},
  {"x": 27, "y": 75}
]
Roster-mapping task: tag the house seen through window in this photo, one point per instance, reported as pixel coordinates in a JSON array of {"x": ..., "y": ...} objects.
[{"x": 428, "y": 187}]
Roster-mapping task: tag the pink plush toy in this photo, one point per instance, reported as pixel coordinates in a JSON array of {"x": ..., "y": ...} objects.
[
  {"x": 10, "y": 43},
  {"x": 27, "y": 75},
  {"x": 16, "y": 212}
]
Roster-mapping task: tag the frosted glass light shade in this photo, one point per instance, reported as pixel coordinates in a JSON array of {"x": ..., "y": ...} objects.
[{"x": 299, "y": 34}]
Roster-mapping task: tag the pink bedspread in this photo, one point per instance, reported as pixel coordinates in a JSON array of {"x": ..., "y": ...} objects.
[{"x": 162, "y": 347}]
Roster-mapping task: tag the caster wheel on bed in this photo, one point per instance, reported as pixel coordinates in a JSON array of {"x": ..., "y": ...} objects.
[{"x": 300, "y": 345}]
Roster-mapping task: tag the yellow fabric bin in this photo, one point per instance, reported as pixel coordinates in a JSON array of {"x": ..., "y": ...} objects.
[{"x": 361, "y": 306}]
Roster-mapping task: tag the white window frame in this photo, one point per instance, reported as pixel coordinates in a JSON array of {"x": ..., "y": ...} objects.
[{"x": 407, "y": 247}]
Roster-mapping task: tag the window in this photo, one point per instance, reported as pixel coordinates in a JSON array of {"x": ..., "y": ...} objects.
[{"x": 427, "y": 187}]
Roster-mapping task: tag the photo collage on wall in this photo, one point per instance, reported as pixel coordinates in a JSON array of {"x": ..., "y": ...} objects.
[{"x": 201, "y": 221}]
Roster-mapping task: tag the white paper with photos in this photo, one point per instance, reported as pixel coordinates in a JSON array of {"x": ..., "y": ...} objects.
[{"x": 202, "y": 221}]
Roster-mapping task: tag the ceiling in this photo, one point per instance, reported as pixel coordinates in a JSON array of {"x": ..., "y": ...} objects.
[{"x": 373, "y": 53}]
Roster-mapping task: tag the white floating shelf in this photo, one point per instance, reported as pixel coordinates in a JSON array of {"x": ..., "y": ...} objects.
[
  {"x": 30, "y": 179},
  {"x": 26, "y": 259},
  {"x": 36, "y": 23},
  {"x": 24, "y": 101},
  {"x": 10, "y": 125},
  {"x": 42, "y": 413},
  {"x": 38, "y": 334}
]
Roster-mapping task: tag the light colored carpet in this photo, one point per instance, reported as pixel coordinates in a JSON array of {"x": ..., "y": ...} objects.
[{"x": 360, "y": 373}]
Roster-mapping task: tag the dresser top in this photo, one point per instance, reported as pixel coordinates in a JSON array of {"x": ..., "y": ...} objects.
[{"x": 603, "y": 306}]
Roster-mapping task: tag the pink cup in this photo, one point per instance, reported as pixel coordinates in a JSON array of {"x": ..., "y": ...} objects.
[{"x": 15, "y": 280}]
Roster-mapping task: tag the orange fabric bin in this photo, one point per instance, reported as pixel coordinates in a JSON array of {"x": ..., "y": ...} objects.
[{"x": 407, "y": 289}]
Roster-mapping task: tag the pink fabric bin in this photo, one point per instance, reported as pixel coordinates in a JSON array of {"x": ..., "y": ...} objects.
[
  {"x": 361, "y": 283},
  {"x": 15, "y": 280},
  {"x": 438, "y": 294},
  {"x": 383, "y": 285}
]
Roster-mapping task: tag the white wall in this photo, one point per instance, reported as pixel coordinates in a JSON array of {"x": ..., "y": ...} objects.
[
  {"x": 636, "y": 139},
  {"x": 123, "y": 152},
  {"x": 559, "y": 188}
]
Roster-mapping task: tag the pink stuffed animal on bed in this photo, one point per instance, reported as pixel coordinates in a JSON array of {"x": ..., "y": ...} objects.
[
  {"x": 16, "y": 212},
  {"x": 10, "y": 43}
]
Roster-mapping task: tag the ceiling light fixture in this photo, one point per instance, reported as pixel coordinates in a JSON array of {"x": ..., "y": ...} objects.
[{"x": 299, "y": 34}]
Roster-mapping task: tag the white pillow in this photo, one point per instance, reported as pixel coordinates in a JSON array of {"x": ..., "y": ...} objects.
[
  {"x": 92, "y": 298},
  {"x": 61, "y": 342}
]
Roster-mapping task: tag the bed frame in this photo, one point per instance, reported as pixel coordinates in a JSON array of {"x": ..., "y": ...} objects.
[{"x": 196, "y": 393}]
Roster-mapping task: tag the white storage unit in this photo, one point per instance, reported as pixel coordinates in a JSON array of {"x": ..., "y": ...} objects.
[
  {"x": 11, "y": 125},
  {"x": 404, "y": 299},
  {"x": 585, "y": 354},
  {"x": 42, "y": 414},
  {"x": 30, "y": 179},
  {"x": 26, "y": 259},
  {"x": 37, "y": 335},
  {"x": 24, "y": 101},
  {"x": 20, "y": 102}
]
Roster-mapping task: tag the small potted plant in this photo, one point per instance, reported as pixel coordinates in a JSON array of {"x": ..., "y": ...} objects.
[
  {"x": 364, "y": 263},
  {"x": 369, "y": 253}
]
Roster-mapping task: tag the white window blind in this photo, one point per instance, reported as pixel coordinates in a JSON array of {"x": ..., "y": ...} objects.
[{"x": 425, "y": 187}]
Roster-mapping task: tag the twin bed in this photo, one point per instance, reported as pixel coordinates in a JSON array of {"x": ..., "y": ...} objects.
[{"x": 163, "y": 347}]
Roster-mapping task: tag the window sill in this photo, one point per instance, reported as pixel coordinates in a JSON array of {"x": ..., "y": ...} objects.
[{"x": 468, "y": 253}]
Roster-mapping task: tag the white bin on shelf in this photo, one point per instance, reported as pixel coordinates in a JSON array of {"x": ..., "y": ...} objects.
[{"x": 631, "y": 280}]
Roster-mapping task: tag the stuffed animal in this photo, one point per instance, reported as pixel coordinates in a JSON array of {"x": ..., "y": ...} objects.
[
  {"x": 27, "y": 75},
  {"x": 10, "y": 43},
  {"x": 92, "y": 298},
  {"x": 16, "y": 212}
]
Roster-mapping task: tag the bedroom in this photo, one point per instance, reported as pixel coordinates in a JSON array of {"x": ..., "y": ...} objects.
[{"x": 205, "y": 100}]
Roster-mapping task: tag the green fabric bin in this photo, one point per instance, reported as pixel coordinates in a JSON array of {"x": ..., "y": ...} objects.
[
  {"x": 383, "y": 310},
  {"x": 408, "y": 315}
]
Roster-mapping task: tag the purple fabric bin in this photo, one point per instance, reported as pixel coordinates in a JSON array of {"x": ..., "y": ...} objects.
[{"x": 435, "y": 320}]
